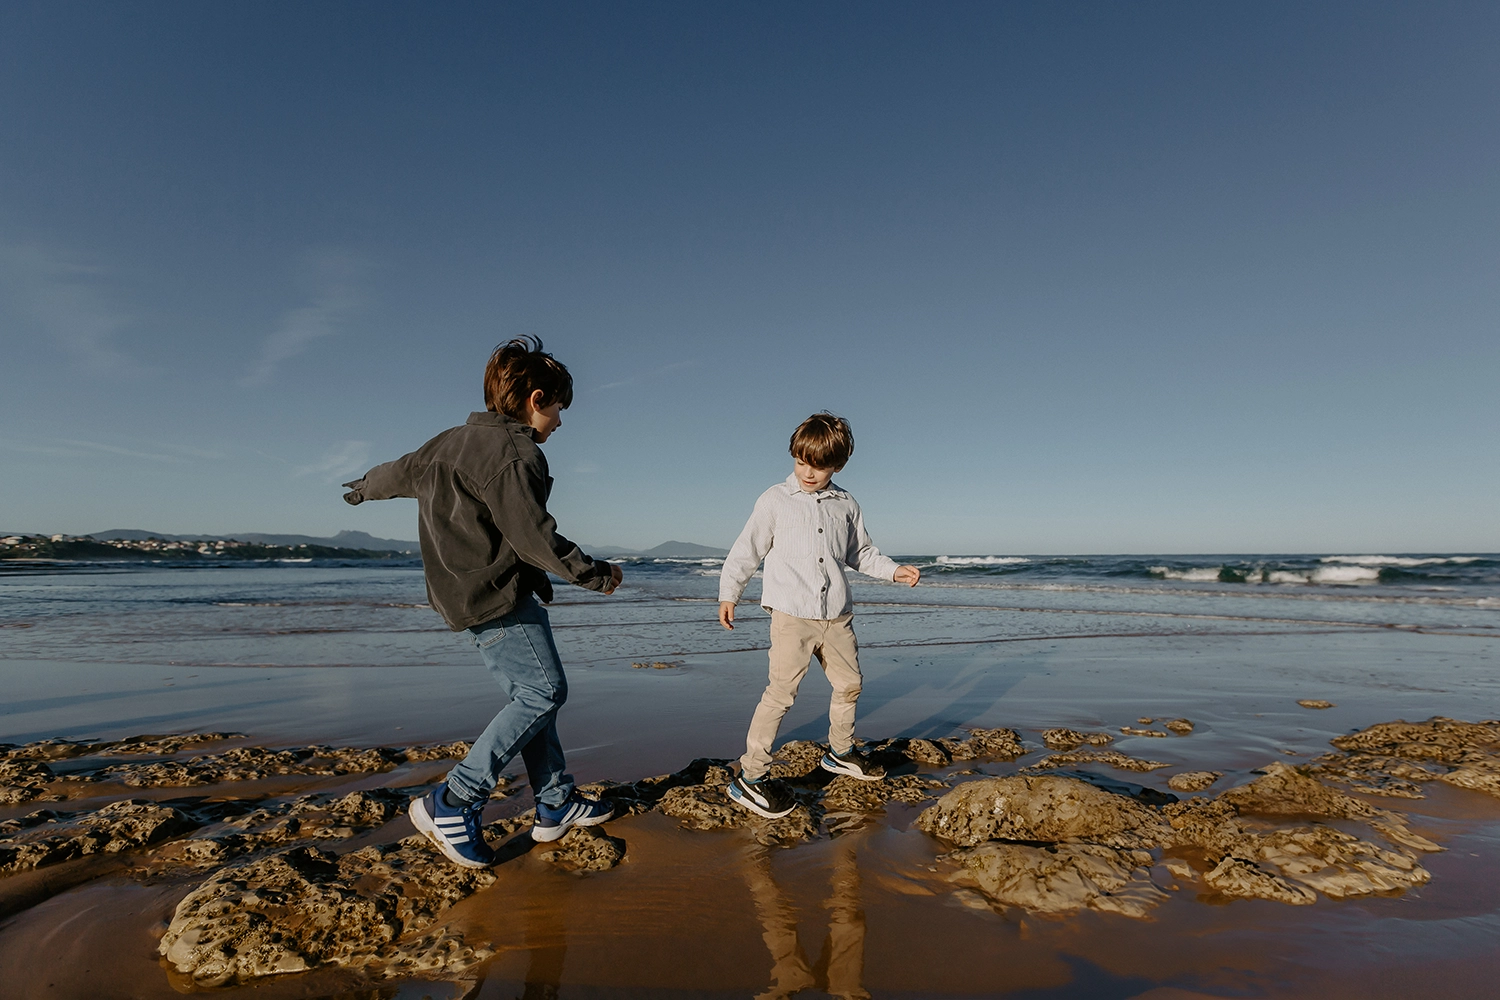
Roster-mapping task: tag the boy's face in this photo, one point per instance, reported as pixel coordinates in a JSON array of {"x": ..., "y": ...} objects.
[
  {"x": 811, "y": 478},
  {"x": 543, "y": 420}
]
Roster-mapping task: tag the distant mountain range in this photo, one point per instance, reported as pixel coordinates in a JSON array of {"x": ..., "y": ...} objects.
[{"x": 362, "y": 540}]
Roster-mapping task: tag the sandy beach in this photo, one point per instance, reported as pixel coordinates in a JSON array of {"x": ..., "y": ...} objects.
[{"x": 271, "y": 854}]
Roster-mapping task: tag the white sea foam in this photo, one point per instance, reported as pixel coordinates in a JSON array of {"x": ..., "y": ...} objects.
[
  {"x": 1200, "y": 574},
  {"x": 1403, "y": 561},
  {"x": 981, "y": 560}
]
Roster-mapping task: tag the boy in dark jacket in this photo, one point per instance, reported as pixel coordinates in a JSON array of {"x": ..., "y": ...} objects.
[{"x": 488, "y": 544}]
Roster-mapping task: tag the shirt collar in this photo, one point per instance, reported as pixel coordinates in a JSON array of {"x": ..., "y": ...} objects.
[{"x": 832, "y": 490}]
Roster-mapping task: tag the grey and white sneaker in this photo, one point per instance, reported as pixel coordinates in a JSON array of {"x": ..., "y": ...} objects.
[
  {"x": 762, "y": 797},
  {"x": 853, "y": 763}
]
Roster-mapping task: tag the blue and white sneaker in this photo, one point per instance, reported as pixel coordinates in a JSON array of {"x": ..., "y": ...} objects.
[
  {"x": 554, "y": 821},
  {"x": 762, "y": 797},
  {"x": 456, "y": 832}
]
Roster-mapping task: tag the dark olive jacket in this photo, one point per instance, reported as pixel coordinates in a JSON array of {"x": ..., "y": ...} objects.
[{"x": 487, "y": 539}]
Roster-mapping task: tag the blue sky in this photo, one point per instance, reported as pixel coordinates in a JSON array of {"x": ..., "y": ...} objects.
[{"x": 1086, "y": 277}]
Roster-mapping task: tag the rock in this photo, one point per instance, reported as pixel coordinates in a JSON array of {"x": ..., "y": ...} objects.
[
  {"x": 252, "y": 763},
  {"x": 1114, "y": 758},
  {"x": 985, "y": 744},
  {"x": 1180, "y": 869},
  {"x": 1072, "y": 739},
  {"x": 310, "y": 817},
  {"x": 120, "y": 826},
  {"x": 845, "y": 794},
  {"x": 1063, "y": 878},
  {"x": 656, "y": 665},
  {"x": 166, "y": 745},
  {"x": 1179, "y": 726},
  {"x": 1045, "y": 808},
  {"x": 25, "y": 780},
  {"x": 706, "y": 807},
  {"x": 456, "y": 750},
  {"x": 1287, "y": 864},
  {"x": 1285, "y": 791},
  {"x": 1132, "y": 731},
  {"x": 53, "y": 749},
  {"x": 1394, "y": 758},
  {"x": 585, "y": 848},
  {"x": 1237, "y": 877},
  {"x": 1193, "y": 781},
  {"x": 796, "y": 759},
  {"x": 304, "y": 908},
  {"x": 1145, "y": 720},
  {"x": 1314, "y": 703}
]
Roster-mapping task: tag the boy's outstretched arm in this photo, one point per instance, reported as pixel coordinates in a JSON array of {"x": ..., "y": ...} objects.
[
  {"x": 384, "y": 482},
  {"x": 744, "y": 556}
]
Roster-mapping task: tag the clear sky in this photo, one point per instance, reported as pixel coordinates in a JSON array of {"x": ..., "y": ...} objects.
[{"x": 1086, "y": 277}]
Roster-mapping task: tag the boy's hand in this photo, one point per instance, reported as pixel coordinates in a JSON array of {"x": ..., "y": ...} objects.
[
  {"x": 908, "y": 575},
  {"x": 726, "y": 614},
  {"x": 616, "y": 574}
]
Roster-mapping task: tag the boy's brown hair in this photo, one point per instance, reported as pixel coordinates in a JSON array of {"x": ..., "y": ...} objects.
[
  {"x": 518, "y": 368},
  {"x": 823, "y": 441}
]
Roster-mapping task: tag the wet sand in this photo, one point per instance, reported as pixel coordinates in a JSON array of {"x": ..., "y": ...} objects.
[{"x": 870, "y": 910}]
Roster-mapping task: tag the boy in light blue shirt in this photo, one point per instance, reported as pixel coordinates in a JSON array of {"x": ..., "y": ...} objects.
[{"x": 807, "y": 530}]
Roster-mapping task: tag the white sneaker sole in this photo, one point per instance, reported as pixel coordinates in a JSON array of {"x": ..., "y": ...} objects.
[
  {"x": 754, "y": 806},
  {"x": 547, "y": 834},
  {"x": 839, "y": 767},
  {"x": 424, "y": 824}
]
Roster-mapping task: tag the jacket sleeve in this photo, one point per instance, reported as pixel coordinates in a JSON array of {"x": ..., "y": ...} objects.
[
  {"x": 748, "y": 550},
  {"x": 864, "y": 557},
  {"x": 517, "y": 500},
  {"x": 384, "y": 482}
]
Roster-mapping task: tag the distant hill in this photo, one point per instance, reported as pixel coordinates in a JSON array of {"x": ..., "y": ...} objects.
[{"x": 343, "y": 540}]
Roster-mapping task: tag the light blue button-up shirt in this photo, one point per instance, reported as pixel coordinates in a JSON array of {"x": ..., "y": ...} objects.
[{"x": 806, "y": 540}]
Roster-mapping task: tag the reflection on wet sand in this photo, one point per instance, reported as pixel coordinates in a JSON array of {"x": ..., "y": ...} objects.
[
  {"x": 547, "y": 943},
  {"x": 841, "y": 965}
]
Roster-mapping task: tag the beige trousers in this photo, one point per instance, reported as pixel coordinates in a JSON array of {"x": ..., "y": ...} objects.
[{"x": 794, "y": 642}]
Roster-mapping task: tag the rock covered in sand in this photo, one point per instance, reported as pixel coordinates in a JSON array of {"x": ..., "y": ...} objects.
[
  {"x": 1395, "y": 758},
  {"x": 1072, "y": 739},
  {"x": 1113, "y": 758},
  {"x": 120, "y": 826},
  {"x": 585, "y": 848},
  {"x": 1193, "y": 781},
  {"x": 304, "y": 908},
  {"x": 1046, "y": 808}
]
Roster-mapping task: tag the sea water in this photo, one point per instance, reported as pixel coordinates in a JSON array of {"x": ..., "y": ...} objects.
[{"x": 330, "y": 650}]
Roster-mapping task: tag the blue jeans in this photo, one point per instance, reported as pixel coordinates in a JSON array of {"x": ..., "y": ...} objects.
[{"x": 519, "y": 651}]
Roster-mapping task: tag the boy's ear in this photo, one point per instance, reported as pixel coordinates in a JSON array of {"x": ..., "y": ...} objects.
[{"x": 536, "y": 400}]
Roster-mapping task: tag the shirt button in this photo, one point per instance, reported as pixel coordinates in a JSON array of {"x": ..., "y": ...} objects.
[
  {"x": 820, "y": 531},
  {"x": 820, "y": 558},
  {"x": 820, "y": 500}
]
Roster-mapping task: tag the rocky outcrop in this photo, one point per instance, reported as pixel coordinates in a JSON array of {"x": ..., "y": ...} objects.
[
  {"x": 585, "y": 849},
  {"x": 373, "y": 909},
  {"x": 1113, "y": 758},
  {"x": 1046, "y": 808},
  {"x": 120, "y": 826},
  {"x": 308, "y": 818},
  {"x": 1072, "y": 739},
  {"x": 1397, "y": 758},
  {"x": 1193, "y": 781}
]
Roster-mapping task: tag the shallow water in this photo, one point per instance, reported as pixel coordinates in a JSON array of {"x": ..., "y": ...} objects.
[{"x": 330, "y": 654}]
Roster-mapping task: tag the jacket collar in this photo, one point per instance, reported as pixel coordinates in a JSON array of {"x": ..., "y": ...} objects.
[
  {"x": 832, "y": 490},
  {"x": 489, "y": 418}
]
